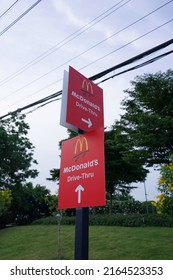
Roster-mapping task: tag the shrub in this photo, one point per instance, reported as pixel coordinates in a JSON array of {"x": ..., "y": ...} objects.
[
  {"x": 53, "y": 220},
  {"x": 135, "y": 220}
]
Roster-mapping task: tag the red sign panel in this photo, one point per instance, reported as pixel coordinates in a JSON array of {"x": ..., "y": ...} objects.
[
  {"x": 84, "y": 102},
  {"x": 82, "y": 175}
]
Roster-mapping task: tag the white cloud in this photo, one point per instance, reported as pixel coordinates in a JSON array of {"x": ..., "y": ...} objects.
[{"x": 69, "y": 12}]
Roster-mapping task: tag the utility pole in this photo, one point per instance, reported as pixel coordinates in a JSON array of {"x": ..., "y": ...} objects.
[{"x": 145, "y": 189}]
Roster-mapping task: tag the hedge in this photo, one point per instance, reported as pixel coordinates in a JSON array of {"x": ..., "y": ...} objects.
[{"x": 135, "y": 220}]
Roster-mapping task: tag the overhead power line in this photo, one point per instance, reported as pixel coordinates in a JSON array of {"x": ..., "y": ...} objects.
[
  {"x": 40, "y": 106},
  {"x": 66, "y": 40},
  {"x": 133, "y": 59},
  {"x": 91, "y": 63},
  {"x": 40, "y": 101},
  {"x": 137, "y": 66},
  {"x": 92, "y": 47},
  {"x": 125, "y": 45},
  {"x": 6, "y": 11},
  {"x": 19, "y": 18},
  {"x": 76, "y": 34},
  {"x": 54, "y": 96},
  {"x": 111, "y": 77}
]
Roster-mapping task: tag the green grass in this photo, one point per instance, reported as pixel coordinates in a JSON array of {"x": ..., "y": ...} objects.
[{"x": 109, "y": 243}]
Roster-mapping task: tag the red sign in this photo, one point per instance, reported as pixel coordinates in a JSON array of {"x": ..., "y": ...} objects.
[
  {"x": 82, "y": 175},
  {"x": 84, "y": 102}
]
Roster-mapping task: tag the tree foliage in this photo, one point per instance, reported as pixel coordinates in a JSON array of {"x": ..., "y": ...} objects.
[
  {"x": 19, "y": 201},
  {"x": 55, "y": 172},
  {"x": 54, "y": 175},
  {"x": 121, "y": 161},
  {"x": 16, "y": 152},
  {"x": 148, "y": 117},
  {"x": 28, "y": 203},
  {"x": 164, "y": 204},
  {"x": 5, "y": 200},
  {"x": 122, "y": 164}
]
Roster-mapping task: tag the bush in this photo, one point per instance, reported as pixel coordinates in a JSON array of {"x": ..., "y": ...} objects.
[
  {"x": 53, "y": 220},
  {"x": 135, "y": 220},
  {"x": 118, "y": 220}
]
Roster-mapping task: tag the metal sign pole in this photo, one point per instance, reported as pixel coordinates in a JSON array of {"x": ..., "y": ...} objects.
[
  {"x": 81, "y": 234},
  {"x": 81, "y": 230}
]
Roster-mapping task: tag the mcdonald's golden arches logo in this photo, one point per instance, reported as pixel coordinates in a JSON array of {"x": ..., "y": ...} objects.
[
  {"x": 81, "y": 147},
  {"x": 87, "y": 87}
]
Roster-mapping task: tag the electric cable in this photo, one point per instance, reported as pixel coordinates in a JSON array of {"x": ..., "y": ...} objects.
[
  {"x": 19, "y": 18},
  {"x": 45, "y": 99},
  {"x": 91, "y": 63},
  {"x": 99, "y": 43},
  {"x": 6, "y": 11},
  {"x": 99, "y": 75},
  {"x": 63, "y": 42},
  {"x": 24, "y": 68},
  {"x": 133, "y": 59},
  {"x": 134, "y": 40},
  {"x": 137, "y": 66},
  {"x": 48, "y": 102},
  {"x": 115, "y": 75}
]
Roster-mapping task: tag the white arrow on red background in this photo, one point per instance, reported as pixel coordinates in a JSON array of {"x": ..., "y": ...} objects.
[
  {"x": 79, "y": 189},
  {"x": 88, "y": 122}
]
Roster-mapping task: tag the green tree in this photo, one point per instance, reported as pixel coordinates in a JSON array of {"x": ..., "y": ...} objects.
[
  {"x": 148, "y": 116},
  {"x": 16, "y": 152},
  {"x": 16, "y": 161},
  {"x": 52, "y": 203},
  {"x": 124, "y": 203},
  {"x": 123, "y": 166},
  {"x": 55, "y": 172},
  {"x": 5, "y": 200},
  {"x": 5, "y": 203},
  {"x": 29, "y": 203},
  {"x": 164, "y": 204},
  {"x": 54, "y": 175}
]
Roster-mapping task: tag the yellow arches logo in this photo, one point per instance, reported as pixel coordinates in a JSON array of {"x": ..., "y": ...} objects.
[
  {"x": 81, "y": 147},
  {"x": 87, "y": 87}
]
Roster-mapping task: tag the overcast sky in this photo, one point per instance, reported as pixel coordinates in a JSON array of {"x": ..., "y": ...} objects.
[{"x": 91, "y": 36}]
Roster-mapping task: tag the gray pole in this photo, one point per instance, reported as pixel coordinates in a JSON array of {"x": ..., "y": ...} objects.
[{"x": 145, "y": 189}]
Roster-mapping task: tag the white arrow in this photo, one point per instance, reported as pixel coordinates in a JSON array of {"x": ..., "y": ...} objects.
[
  {"x": 88, "y": 121},
  {"x": 79, "y": 189}
]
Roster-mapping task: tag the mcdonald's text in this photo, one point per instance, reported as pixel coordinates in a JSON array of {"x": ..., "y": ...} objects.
[
  {"x": 84, "y": 165},
  {"x": 86, "y": 101}
]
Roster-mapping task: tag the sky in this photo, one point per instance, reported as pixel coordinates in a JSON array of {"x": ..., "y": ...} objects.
[{"x": 91, "y": 36}]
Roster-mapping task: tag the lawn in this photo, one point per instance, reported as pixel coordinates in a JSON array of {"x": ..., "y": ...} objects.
[{"x": 110, "y": 243}]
